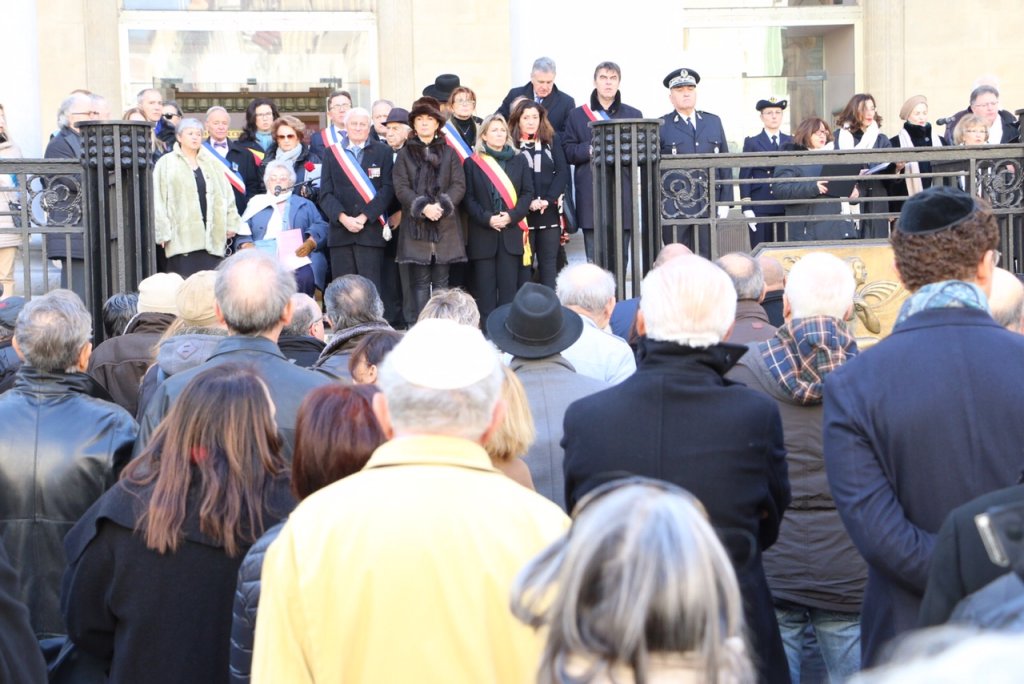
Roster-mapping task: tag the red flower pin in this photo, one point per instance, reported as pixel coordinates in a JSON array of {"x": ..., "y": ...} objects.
[{"x": 310, "y": 166}]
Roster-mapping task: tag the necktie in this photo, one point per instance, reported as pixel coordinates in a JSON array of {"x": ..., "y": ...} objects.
[
  {"x": 775, "y": 142},
  {"x": 537, "y": 98},
  {"x": 689, "y": 125},
  {"x": 221, "y": 147},
  {"x": 357, "y": 154}
]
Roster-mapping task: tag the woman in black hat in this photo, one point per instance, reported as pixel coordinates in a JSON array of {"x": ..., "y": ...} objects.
[
  {"x": 499, "y": 191},
  {"x": 430, "y": 183}
]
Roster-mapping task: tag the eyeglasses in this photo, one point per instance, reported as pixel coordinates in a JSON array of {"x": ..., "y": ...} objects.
[
  {"x": 997, "y": 256},
  {"x": 986, "y": 105},
  {"x": 338, "y": 108},
  {"x": 259, "y": 114},
  {"x": 465, "y": 102},
  {"x": 85, "y": 113},
  {"x": 170, "y": 116},
  {"x": 977, "y": 131},
  {"x": 287, "y": 136}
]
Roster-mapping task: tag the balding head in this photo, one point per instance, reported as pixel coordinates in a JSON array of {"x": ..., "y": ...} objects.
[
  {"x": 253, "y": 294},
  {"x": 588, "y": 290},
  {"x": 773, "y": 271},
  {"x": 670, "y": 252},
  {"x": 1007, "y": 300},
  {"x": 745, "y": 273}
]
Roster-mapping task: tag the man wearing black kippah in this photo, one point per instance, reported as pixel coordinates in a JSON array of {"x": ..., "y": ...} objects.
[{"x": 929, "y": 418}]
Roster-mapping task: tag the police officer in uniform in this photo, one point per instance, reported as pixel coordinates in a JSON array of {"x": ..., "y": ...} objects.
[
  {"x": 770, "y": 139},
  {"x": 688, "y": 130}
]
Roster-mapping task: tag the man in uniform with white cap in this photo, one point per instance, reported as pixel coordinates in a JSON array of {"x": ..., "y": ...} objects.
[
  {"x": 686, "y": 130},
  {"x": 770, "y": 139},
  {"x": 402, "y": 572}
]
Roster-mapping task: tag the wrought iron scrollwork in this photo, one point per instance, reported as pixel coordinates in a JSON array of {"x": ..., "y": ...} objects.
[
  {"x": 58, "y": 197},
  {"x": 684, "y": 193},
  {"x": 1001, "y": 182}
]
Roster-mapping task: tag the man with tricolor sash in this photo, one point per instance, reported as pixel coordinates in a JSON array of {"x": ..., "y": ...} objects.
[
  {"x": 355, "y": 191},
  {"x": 605, "y": 103},
  {"x": 238, "y": 163},
  {"x": 339, "y": 103}
]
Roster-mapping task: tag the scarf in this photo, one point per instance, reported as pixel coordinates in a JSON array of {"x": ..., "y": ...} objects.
[
  {"x": 867, "y": 141},
  {"x": 804, "y": 351},
  {"x": 290, "y": 156},
  {"x": 914, "y": 185},
  {"x": 503, "y": 156},
  {"x": 264, "y": 140},
  {"x": 945, "y": 294}
]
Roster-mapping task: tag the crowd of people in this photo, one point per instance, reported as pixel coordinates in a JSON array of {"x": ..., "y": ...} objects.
[{"x": 529, "y": 479}]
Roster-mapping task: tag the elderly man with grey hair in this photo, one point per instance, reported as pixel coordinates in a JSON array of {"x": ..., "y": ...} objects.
[
  {"x": 354, "y": 308},
  {"x": 1007, "y": 300},
  {"x": 542, "y": 89},
  {"x": 239, "y": 164},
  {"x": 62, "y": 445},
  {"x": 816, "y": 575},
  {"x": 302, "y": 340},
  {"x": 751, "y": 324},
  {"x": 253, "y": 299},
  {"x": 428, "y": 522},
  {"x": 589, "y": 290},
  {"x": 678, "y": 419}
]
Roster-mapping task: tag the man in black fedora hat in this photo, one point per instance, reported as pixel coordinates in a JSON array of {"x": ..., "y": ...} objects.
[
  {"x": 535, "y": 328},
  {"x": 441, "y": 89}
]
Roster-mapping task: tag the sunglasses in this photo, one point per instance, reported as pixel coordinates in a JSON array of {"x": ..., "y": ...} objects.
[
  {"x": 287, "y": 136},
  {"x": 170, "y": 116}
]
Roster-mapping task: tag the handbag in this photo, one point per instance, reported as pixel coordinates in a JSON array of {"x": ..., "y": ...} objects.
[{"x": 567, "y": 213}]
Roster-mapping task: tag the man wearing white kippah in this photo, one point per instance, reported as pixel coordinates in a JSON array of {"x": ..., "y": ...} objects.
[{"x": 402, "y": 572}]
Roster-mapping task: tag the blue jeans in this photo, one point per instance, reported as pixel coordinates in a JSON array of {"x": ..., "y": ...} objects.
[{"x": 838, "y": 636}]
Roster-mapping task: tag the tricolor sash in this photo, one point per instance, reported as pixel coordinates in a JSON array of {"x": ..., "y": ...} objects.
[
  {"x": 236, "y": 180},
  {"x": 334, "y": 138},
  {"x": 503, "y": 184},
  {"x": 360, "y": 181},
  {"x": 599, "y": 115},
  {"x": 257, "y": 156},
  {"x": 456, "y": 142}
]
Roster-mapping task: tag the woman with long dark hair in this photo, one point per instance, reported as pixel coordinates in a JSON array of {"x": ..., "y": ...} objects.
[
  {"x": 535, "y": 138},
  {"x": 858, "y": 127},
  {"x": 153, "y": 563},
  {"x": 257, "y": 134},
  {"x": 335, "y": 435}
]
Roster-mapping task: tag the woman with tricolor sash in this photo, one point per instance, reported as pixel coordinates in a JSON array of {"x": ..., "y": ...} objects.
[
  {"x": 430, "y": 184},
  {"x": 499, "y": 191},
  {"x": 534, "y": 136}
]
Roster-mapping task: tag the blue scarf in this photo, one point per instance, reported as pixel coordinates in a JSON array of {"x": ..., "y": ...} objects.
[{"x": 945, "y": 294}]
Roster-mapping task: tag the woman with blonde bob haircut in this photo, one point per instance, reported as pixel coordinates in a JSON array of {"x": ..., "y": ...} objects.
[
  {"x": 516, "y": 434},
  {"x": 639, "y": 590}
]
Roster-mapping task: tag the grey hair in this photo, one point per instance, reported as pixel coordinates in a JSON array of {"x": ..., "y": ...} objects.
[
  {"x": 352, "y": 300},
  {"x": 983, "y": 90},
  {"x": 587, "y": 286},
  {"x": 51, "y": 331},
  {"x": 186, "y": 124},
  {"x": 217, "y": 108},
  {"x": 278, "y": 164},
  {"x": 66, "y": 105},
  {"x": 464, "y": 412},
  {"x": 453, "y": 304},
  {"x": 746, "y": 274},
  {"x": 774, "y": 273},
  {"x": 641, "y": 572},
  {"x": 820, "y": 284},
  {"x": 357, "y": 111},
  {"x": 389, "y": 103},
  {"x": 480, "y": 145},
  {"x": 1007, "y": 299},
  {"x": 609, "y": 66},
  {"x": 544, "y": 65},
  {"x": 305, "y": 311},
  {"x": 688, "y": 301},
  {"x": 138, "y": 98},
  {"x": 252, "y": 290},
  {"x": 119, "y": 309}
]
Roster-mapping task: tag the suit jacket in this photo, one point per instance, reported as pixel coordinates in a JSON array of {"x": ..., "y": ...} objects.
[
  {"x": 317, "y": 150},
  {"x": 479, "y": 203},
  {"x": 899, "y": 458},
  {"x": 761, "y": 191},
  {"x": 960, "y": 564},
  {"x": 576, "y": 144},
  {"x": 708, "y": 138},
  {"x": 551, "y": 385},
  {"x": 244, "y": 164},
  {"x": 557, "y": 104},
  {"x": 338, "y": 195},
  {"x": 678, "y": 419}
]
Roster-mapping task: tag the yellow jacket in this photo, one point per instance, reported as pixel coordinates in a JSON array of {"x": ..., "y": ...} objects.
[{"x": 401, "y": 573}]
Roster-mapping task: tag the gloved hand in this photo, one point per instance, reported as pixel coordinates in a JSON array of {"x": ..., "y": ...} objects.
[
  {"x": 723, "y": 211},
  {"x": 749, "y": 213},
  {"x": 307, "y": 248}
]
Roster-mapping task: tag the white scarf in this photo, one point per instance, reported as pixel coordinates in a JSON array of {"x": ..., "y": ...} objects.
[
  {"x": 867, "y": 142},
  {"x": 914, "y": 184},
  {"x": 261, "y": 202}
]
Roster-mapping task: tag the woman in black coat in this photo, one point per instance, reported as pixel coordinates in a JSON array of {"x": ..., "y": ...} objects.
[
  {"x": 497, "y": 221},
  {"x": 153, "y": 563},
  {"x": 533, "y": 135},
  {"x": 916, "y": 132},
  {"x": 858, "y": 127},
  {"x": 812, "y": 134}
]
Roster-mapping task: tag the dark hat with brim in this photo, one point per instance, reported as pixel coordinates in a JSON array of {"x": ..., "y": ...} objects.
[
  {"x": 680, "y": 78},
  {"x": 935, "y": 209},
  {"x": 426, "y": 106},
  {"x": 9, "y": 310},
  {"x": 397, "y": 115},
  {"x": 442, "y": 87},
  {"x": 771, "y": 102},
  {"x": 534, "y": 325}
]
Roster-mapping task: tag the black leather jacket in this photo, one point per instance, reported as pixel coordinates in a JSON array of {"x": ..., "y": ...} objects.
[{"x": 62, "y": 445}]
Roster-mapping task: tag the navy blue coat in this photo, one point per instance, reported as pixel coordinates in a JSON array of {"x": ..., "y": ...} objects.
[
  {"x": 557, "y": 104},
  {"x": 761, "y": 192},
  {"x": 919, "y": 424},
  {"x": 708, "y": 138},
  {"x": 318, "y": 152},
  {"x": 302, "y": 214},
  {"x": 576, "y": 145},
  {"x": 678, "y": 419},
  {"x": 338, "y": 194}
]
